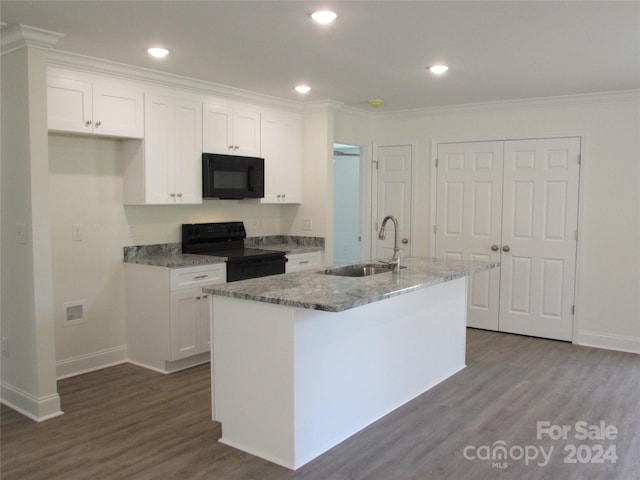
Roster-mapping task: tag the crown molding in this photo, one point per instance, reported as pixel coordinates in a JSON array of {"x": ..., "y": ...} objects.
[
  {"x": 99, "y": 66},
  {"x": 564, "y": 100},
  {"x": 331, "y": 105},
  {"x": 19, "y": 36}
]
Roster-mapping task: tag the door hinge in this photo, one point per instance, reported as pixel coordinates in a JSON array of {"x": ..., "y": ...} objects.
[
  {"x": 579, "y": 159},
  {"x": 375, "y": 162},
  {"x": 436, "y": 163},
  {"x": 573, "y": 310},
  {"x": 435, "y": 229},
  {"x": 576, "y": 235}
]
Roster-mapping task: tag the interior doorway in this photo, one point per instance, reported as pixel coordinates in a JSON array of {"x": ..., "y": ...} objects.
[{"x": 347, "y": 204}]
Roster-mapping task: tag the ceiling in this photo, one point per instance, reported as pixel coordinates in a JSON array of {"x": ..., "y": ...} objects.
[{"x": 374, "y": 50}]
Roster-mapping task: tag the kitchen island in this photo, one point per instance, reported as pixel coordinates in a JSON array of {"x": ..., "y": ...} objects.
[{"x": 302, "y": 361}]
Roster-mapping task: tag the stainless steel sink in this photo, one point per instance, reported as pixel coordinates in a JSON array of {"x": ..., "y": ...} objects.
[{"x": 359, "y": 270}]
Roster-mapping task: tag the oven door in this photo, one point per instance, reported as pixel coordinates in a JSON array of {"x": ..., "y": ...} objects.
[{"x": 238, "y": 269}]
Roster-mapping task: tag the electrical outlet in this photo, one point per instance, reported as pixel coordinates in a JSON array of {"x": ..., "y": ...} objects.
[{"x": 307, "y": 224}]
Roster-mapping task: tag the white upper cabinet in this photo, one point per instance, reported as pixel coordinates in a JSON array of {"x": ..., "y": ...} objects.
[
  {"x": 230, "y": 128},
  {"x": 81, "y": 104},
  {"x": 281, "y": 148},
  {"x": 167, "y": 167}
]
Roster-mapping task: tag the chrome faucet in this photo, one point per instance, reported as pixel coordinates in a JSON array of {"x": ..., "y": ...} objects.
[{"x": 395, "y": 260}]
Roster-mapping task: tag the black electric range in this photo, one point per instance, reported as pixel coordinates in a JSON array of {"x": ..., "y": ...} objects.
[{"x": 226, "y": 239}]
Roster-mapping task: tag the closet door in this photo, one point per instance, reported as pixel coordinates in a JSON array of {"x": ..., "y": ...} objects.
[
  {"x": 539, "y": 231},
  {"x": 468, "y": 219}
]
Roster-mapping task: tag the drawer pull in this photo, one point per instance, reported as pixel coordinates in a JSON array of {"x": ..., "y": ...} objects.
[
  {"x": 303, "y": 262},
  {"x": 200, "y": 277}
]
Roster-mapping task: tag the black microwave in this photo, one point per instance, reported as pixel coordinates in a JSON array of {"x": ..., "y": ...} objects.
[{"x": 232, "y": 176}]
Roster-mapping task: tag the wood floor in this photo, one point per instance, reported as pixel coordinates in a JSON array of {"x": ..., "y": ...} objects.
[{"x": 126, "y": 422}]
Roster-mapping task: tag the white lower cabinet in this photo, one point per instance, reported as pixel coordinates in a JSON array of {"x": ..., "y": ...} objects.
[
  {"x": 168, "y": 315},
  {"x": 297, "y": 262}
]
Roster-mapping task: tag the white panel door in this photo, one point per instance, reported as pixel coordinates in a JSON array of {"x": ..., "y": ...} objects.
[
  {"x": 468, "y": 219},
  {"x": 393, "y": 198},
  {"x": 540, "y": 221},
  {"x": 516, "y": 202}
]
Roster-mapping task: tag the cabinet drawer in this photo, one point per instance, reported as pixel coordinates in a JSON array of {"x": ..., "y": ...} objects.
[
  {"x": 303, "y": 261},
  {"x": 195, "y": 277}
]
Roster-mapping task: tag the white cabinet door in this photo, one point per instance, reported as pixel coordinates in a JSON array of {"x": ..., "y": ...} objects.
[
  {"x": 231, "y": 129},
  {"x": 281, "y": 149},
  {"x": 168, "y": 169},
  {"x": 188, "y": 151},
  {"x": 78, "y": 104},
  {"x": 69, "y": 105},
  {"x": 246, "y": 132},
  {"x": 185, "y": 320},
  {"x": 118, "y": 111},
  {"x": 158, "y": 161},
  {"x": 469, "y": 219},
  {"x": 217, "y": 129},
  {"x": 515, "y": 202}
]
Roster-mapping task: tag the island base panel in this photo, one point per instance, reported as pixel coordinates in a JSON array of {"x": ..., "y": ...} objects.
[{"x": 291, "y": 383}]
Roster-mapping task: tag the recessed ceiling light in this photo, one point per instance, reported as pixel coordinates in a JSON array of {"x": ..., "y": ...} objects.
[
  {"x": 303, "y": 88},
  {"x": 324, "y": 16},
  {"x": 438, "y": 69},
  {"x": 158, "y": 52}
]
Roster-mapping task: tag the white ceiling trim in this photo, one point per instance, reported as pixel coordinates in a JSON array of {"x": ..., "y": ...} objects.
[{"x": 578, "y": 99}]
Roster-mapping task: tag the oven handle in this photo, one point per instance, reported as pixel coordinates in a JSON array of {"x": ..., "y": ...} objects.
[{"x": 250, "y": 178}]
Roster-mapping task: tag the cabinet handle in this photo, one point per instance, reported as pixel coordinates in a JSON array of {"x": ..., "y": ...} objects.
[
  {"x": 303, "y": 262},
  {"x": 180, "y": 195},
  {"x": 236, "y": 147},
  {"x": 230, "y": 147},
  {"x": 172, "y": 195},
  {"x": 205, "y": 296},
  {"x": 283, "y": 195},
  {"x": 98, "y": 123},
  {"x": 197, "y": 298},
  {"x": 88, "y": 123},
  {"x": 506, "y": 248},
  {"x": 200, "y": 277},
  {"x": 495, "y": 248}
]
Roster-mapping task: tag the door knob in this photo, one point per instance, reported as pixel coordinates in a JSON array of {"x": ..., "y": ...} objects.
[
  {"x": 506, "y": 248},
  {"x": 495, "y": 248},
  {"x": 405, "y": 240}
]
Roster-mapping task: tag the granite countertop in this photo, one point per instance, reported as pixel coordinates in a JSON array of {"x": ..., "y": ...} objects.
[
  {"x": 176, "y": 260},
  {"x": 317, "y": 291},
  {"x": 170, "y": 255},
  {"x": 290, "y": 248}
]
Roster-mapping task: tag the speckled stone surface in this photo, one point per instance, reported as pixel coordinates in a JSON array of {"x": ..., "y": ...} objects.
[
  {"x": 287, "y": 243},
  {"x": 167, "y": 255},
  {"x": 317, "y": 291},
  {"x": 179, "y": 260}
]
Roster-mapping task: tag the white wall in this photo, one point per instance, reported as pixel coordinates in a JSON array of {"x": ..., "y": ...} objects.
[
  {"x": 85, "y": 183},
  {"x": 27, "y": 372},
  {"x": 608, "y": 301}
]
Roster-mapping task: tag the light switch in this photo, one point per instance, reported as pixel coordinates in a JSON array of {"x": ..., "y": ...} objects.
[
  {"x": 76, "y": 232},
  {"x": 21, "y": 233},
  {"x": 307, "y": 224}
]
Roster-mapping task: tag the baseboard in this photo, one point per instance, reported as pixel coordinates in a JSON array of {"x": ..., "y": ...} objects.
[
  {"x": 93, "y": 361},
  {"x": 37, "y": 409},
  {"x": 610, "y": 342}
]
